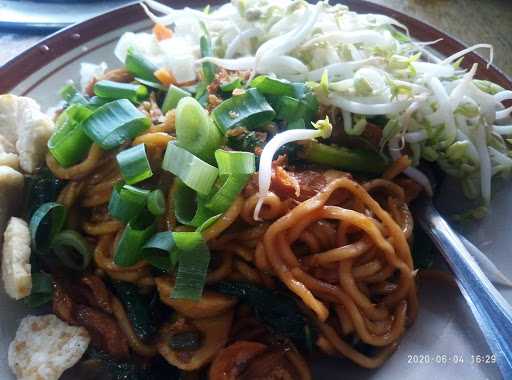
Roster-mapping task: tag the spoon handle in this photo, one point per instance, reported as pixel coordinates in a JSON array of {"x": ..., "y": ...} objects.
[{"x": 491, "y": 311}]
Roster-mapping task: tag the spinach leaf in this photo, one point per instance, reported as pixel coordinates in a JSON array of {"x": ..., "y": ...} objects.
[
  {"x": 275, "y": 309},
  {"x": 138, "y": 309}
]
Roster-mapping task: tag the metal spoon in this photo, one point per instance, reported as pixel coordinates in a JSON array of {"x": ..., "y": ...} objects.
[{"x": 491, "y": 311}]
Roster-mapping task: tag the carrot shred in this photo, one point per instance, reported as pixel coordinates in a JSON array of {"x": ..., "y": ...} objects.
[
  {"x": 165, "y": 77},
  {"x": 162, "y": 32},
  {"x": 397, "y": 167}
]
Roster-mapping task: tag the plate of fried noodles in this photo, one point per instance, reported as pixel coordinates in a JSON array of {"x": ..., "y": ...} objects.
[{"x": 222, "y": 192}]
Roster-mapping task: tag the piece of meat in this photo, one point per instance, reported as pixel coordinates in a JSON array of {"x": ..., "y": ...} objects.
[
  {"x": 63, "y": 304},
  {"x": 104, "y": 330},
  {"x": 299, "y": 185},
  {"x": 101, "y": 297}
]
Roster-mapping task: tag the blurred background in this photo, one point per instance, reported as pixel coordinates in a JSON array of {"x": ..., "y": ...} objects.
[{"x": 24, "y": 22}]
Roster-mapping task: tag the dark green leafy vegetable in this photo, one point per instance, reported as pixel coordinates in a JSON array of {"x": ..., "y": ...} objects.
[
  {"x": 40, "y": 188},
  {"x": 277, "y": 310},
  {"x": 41, "y": 292},
  {"x": 248, "y": 141},
  {"x": 137, "y": 307},
  {"x": 98, "y": 365}
]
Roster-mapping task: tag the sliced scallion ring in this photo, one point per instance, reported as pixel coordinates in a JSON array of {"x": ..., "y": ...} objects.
[
  {"x": 127, "y": 202},
  {"x": 250, "y": 110},
  {"x": 157, "y": 251},
  {"x": 193, "y": 260},
  {"x": 114, "y": 123},
  {"x": 136, "y": 233},
  {"x": 72, "y": 249},
  {"x": 45, "y": 223},
  {"x": 134, "y": 164},
  {"x": 194, "y": 172},
  {"x": 156, "y": 202},
  {"x": 136, "y": 93}
]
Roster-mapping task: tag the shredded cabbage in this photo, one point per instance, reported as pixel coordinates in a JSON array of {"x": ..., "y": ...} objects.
[{"x": 364, "y": 64}]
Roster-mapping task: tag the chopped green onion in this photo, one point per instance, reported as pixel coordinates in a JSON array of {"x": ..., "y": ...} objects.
[
  {"x": 206, "y": 51},
  {"x": 136, "y": 233},
  {"x": 224, "y": 197},
  {"x": 359, "y": 160},
  {"x": 195, "y": 131},
  {"x": 136, "y": 93},
  {"x": 127, "y": 202},
  {"x": 230, "y": 162},
  {"x": 45, "y": 224},
  {"x": 208, "y": 223},
  {"x": 229, "y": 87},
  {"x": 189, "y": 208},
  {"x": 156, "y": 202},
  {"x": 115, "y": 123},
  {"x": 157, "y": 251},
  {"x": 140, "y": 66},
  {"x": 174, "y": 94},
  {"x": 148, "y": 83},
  {"x": 193, "y": 260},
  {"x": 69, "y": 144},
  {"x": 235, "y": 169},
  {"x": 42, "y": 290},
  {"x": 72, "y": 249},
  {"x": 194, "y": 172},
  {"x": 249, "y": 110},
  {"x": 273, "y": 86},
  {"x": 96, "y": 102},
  {"x": 134, "y": 164},
  {"x": 71, "y": 95}
]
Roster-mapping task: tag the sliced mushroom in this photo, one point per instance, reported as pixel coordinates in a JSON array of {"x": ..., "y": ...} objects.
[
  {"x": 210, "y": 304},
  {"x": 248, "y": 360},
  {"x": 208, "y": 335},
  {"x": 232, "y": 360}
]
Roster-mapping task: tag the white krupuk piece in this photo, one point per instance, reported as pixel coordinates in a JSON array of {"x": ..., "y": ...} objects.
[
  {"x": 24, "y": 125},
  {"x": 45, "y": 347},
  {"x": 16, "y": 259},
  {"x": 11, "y": 185},
  {"x": 8, "y": 154}
]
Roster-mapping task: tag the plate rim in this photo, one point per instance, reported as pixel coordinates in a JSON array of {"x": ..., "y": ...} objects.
[{"x": 42, "y": 53}]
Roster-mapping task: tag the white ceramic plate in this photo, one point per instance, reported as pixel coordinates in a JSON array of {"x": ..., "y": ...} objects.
[{"x": 444, "y": 342}]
